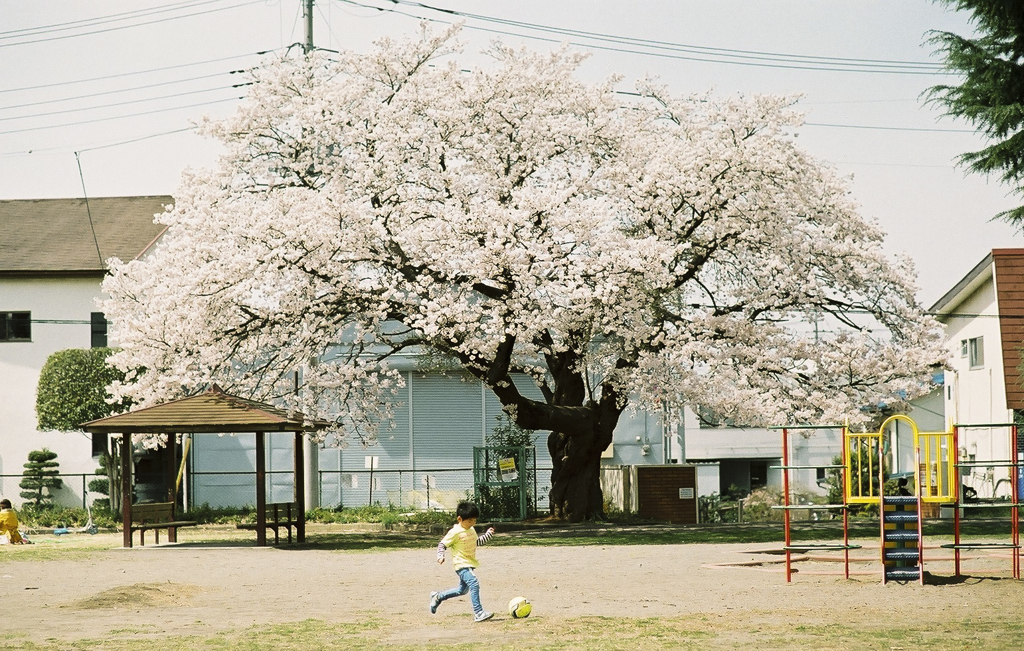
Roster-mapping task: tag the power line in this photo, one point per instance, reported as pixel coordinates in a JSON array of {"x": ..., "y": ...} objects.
[
  {"x": 117, "y": 104},
  {"x": 682, "y": 51},
  {"x": 129, "y": 74},
  {"x": 66, "y": 149},
  {"x": 127, "y": 142},
  {"x": 89, "y": 22},
  {"x": 119, "y": 117},
  {"x": 139, "y": 24},
  {"x": 879, "y": 128},
  {"x": 113, "y": 92}
]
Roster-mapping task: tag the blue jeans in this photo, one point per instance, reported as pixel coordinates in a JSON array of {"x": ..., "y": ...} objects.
[{"x": 467, "y": 583}]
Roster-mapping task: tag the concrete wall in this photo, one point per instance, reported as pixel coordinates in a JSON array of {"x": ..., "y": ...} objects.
[{"x": 64, "y": 306}]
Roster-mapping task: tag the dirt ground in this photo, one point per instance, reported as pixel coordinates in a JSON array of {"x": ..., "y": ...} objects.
[{"x": 200, "y": 588}]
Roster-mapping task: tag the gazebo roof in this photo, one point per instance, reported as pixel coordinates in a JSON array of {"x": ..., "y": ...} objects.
[{"x": 212, "y": 411}]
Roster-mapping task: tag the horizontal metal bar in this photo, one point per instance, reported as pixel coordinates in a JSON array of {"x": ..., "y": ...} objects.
[
  {"x": 972, "y": 425},
  {"x": 812, "y": 507},
  {"x": 798, "y": 547},
  {"x": 802, "y": 467},
  {"x": 806, "y": 427},
  {"x": 994, "y": 464},
  {"x": 980, "y": 546}
]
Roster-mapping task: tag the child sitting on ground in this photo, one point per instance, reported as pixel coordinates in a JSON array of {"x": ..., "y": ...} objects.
[{"x": 9, "y": 524}]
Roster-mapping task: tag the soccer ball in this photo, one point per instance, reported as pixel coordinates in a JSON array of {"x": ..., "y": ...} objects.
[{"x": 519, "y": 608}]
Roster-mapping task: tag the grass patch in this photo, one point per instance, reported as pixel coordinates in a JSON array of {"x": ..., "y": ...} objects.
[{"x": 592, "y": 633}]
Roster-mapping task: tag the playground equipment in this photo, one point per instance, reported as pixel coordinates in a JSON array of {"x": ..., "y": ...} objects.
[{"x": 868, "y": 459}]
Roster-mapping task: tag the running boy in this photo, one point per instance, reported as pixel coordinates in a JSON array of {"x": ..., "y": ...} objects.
[{"x": 462, "y": 540}]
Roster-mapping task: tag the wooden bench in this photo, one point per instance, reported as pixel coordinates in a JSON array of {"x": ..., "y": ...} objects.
[
  {"x": 157, "y": 516},
  {"x": 280, "y": 515}
]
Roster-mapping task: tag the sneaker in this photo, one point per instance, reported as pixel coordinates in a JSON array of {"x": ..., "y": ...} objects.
[
  {"x": 483, "y": 617},
  {"x": 435, "y": 601}
]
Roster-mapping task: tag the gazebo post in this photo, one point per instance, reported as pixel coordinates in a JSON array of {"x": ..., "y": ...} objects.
[
  {"x": 170, "y": 455},
  {"x": 300, "y": 489},
  {"x": 261, "y": 491},
  {"x": 126, "y": 487}
]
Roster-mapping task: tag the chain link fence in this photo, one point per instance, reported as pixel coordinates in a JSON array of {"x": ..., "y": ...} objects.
[
  {"x": 73, "y": 493},
  {"x": 415, "y": 490}
]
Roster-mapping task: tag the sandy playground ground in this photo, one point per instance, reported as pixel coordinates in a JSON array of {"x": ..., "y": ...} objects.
[{"x": 202, "y": 588}]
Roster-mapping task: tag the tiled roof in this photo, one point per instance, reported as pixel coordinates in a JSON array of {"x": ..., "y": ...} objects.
[
  {"x": 44, "y": 236},
  {"x": 211, "y": 412}
]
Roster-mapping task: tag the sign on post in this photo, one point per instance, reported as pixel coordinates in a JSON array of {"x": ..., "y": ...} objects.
[
  {"x": 372, "y": 463},
  {"x": 507, "y": 469}
]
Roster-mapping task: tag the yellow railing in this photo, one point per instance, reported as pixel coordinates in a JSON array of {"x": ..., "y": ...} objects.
[
  {"x": 935, "y": 467},
  {"x": 862, "y": 459}
]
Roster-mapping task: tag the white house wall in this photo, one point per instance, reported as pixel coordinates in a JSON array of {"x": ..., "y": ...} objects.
[
  {"x": 978, "y": 396},
  {"x": 65, "y": 306}
]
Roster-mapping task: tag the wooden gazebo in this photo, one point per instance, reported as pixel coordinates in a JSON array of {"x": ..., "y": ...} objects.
[{"x": 211, "y": 412}]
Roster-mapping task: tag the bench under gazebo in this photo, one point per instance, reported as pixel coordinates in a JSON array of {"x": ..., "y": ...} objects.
[{"x": 211, "y": 412}]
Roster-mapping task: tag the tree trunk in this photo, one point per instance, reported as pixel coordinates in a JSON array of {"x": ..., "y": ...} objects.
[
  {"x": 575, "y": 477},
  {"x": 581, "y": 429},
  {"x": 576, "y": 493},
  {"x": 113, "y": 467}
]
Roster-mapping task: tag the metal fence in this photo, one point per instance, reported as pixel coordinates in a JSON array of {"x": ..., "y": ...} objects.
[
  {"x": 415, "y": 490},
  {"x": 74, "y": 492}
]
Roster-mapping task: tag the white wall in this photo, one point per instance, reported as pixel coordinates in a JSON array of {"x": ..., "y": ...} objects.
[
  {"x": 57, "y": 299},
  {"x": 978, "y": 396}
]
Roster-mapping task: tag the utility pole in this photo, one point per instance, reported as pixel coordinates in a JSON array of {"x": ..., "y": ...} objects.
[{"x": 307, "y": 14}]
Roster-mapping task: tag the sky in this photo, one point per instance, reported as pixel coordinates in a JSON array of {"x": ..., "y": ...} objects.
[{"x": 99, "y": 97}]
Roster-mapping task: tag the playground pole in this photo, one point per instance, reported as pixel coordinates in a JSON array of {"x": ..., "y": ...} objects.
[
  {"x": 846, "y": 510},
  {"x": 956, "y": 503},
  {"x": 1015, "y": 497},
  {"x": 785, "y": 501}
]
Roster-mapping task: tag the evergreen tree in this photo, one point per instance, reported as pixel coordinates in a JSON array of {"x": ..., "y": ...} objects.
[
  {"x": 72, "y": 390},
  {"x": 991, "y": 95},
  {"x": 40, "y": 477}
]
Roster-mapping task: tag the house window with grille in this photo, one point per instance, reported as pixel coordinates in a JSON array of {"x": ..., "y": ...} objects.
[
  {"x": 15, "y": 326},
  {"x": 976, "y": 352}
]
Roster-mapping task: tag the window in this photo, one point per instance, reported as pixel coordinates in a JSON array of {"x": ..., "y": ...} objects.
[
  {"x": 99, "y": 444},
  {"x": 758, "y": 474},
  {"x": 99, "y": 330},
  {"x": 15, "y": 326},
  {"x": 976, "y": 352},
  {"x": 963, "y": 348}
]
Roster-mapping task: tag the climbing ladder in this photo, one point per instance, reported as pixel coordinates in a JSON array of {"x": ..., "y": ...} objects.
[
  {"x": 901, "y": 516},
  {"x": 902, "y": 541}
]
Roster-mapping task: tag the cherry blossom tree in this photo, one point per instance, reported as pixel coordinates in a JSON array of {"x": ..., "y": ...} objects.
[{"x": 646, "y": 254}]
